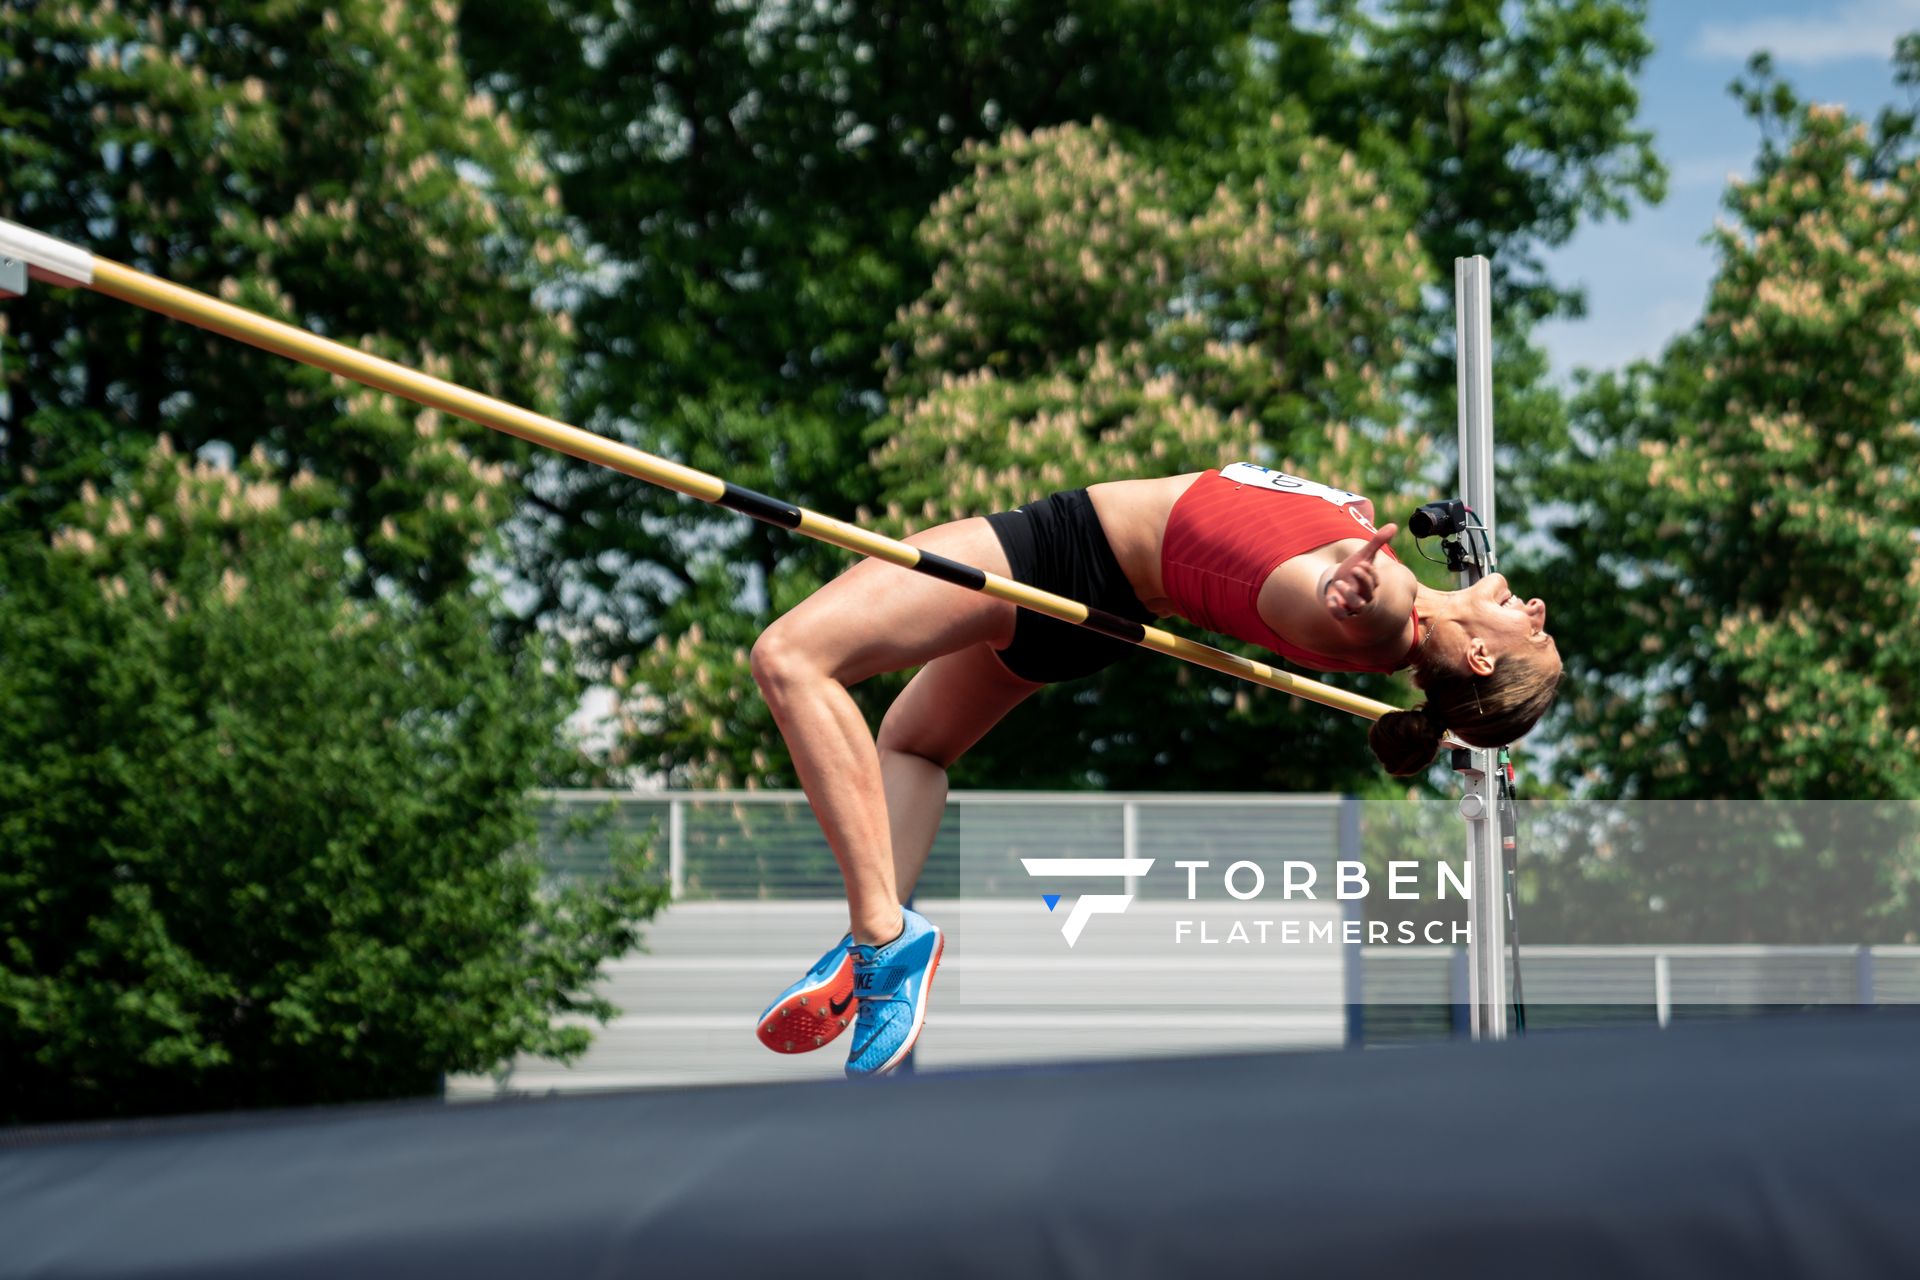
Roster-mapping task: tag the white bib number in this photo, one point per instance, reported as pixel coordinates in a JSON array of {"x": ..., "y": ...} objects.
[{"x": 1280, "y": 481}]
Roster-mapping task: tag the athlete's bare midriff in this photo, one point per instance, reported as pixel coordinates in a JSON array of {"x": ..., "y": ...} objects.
[{"x": 1134, "y": 514}]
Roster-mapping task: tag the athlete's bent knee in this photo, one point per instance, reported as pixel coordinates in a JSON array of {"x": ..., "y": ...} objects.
[{"x": 778, "y": 660}]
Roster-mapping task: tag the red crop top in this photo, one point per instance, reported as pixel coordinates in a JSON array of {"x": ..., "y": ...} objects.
[{"x": 1230, "y": 531}]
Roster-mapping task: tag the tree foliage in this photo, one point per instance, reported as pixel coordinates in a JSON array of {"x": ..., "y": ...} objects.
[
  {"x": 325, "y": 163},
  {"x": 1500, "y": 128},
  {"x": 1520, "y": 120},
  {"x": 755, "y": 187},
  {"x": 749, "y": 179},
  {"x": 1277, "y": 307},
  {"x": 264, "y": 839},
  {"x": 1083, "y": 324},
  {"x": 1742, "y": 569}
]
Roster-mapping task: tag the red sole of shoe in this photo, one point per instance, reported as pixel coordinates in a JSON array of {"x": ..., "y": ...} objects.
[{"x": 809, "y": 1020}]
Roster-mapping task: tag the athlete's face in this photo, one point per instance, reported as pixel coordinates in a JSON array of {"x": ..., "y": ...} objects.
[{"x": 1503, "y": 621}]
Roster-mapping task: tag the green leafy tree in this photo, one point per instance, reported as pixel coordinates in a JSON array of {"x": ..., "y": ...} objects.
[
  {"x": 1083, "y": 325},
  {"x": 750, "y": 179},
  {"x": 1740, "y": 566},
  {"x": 1519, "y": 120},
  {"x": 326, "y": 163},
  {"x": 1742, "y": 571},
  {"x": 1501, "y": 128},
  {"x": 264, "y": 840}
]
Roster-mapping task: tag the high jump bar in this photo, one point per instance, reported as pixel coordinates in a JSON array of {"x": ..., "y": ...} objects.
[{"x": 56, "y": 262}]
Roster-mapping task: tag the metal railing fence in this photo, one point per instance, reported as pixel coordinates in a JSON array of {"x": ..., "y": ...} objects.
[
  {"x": 765, "y": 845},
  {"x": 755, "y": 895}
]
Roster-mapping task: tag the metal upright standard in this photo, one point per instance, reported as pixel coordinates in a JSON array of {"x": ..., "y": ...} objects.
[{"x": 1486, "y": 948}]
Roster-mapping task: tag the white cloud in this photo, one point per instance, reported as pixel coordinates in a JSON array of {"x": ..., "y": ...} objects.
[{"x": 1860, "y": 29}]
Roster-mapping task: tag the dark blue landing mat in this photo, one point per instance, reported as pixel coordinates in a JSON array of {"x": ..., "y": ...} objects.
[{"x": 1785, "y": 1147}]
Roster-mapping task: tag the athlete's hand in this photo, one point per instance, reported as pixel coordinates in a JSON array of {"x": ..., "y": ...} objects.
[{"x": 1349, "y": 589}]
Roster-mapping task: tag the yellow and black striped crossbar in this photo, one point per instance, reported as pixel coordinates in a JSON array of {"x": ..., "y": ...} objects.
[{"x": 59, "y": 263}]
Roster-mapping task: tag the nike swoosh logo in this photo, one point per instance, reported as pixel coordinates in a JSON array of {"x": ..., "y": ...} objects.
[{"x": 839, "y": 1007}]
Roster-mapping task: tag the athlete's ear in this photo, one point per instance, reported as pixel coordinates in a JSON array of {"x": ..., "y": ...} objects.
[{"x": 1479, "y": 660}]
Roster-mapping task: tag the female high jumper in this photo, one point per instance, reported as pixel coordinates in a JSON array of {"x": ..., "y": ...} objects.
[{"x": 1259, "y": 555}]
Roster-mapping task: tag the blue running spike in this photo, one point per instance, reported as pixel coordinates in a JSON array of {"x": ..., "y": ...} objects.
[{"x": 891, "y": 983}]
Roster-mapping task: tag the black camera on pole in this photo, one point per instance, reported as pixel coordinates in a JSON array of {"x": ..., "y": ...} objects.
[
  {"x": 1450, "y": 520},
  {"x": 1439, "y": 519}
]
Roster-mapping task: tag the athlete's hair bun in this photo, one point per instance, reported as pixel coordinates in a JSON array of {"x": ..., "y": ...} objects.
[{"x": 1406, "y": 741}]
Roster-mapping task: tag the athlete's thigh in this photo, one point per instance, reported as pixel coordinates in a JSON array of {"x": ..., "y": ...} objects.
[
  {"x": 951, "y": 704},
  {"x": 879, "y": 617}
]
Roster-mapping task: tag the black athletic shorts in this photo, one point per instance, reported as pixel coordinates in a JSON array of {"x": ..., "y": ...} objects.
[{"x": 1057, "y": 544}]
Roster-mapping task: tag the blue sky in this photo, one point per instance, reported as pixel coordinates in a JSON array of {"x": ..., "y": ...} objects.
[{"x": 1646, "y": 278}]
